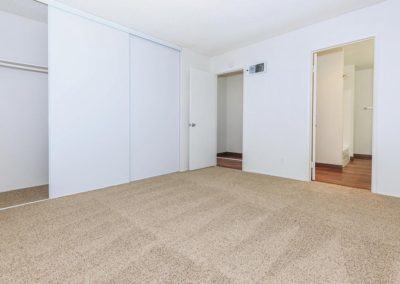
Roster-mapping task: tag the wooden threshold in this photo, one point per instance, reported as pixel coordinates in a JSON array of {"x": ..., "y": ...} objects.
[{"x": 229, "y": 160}]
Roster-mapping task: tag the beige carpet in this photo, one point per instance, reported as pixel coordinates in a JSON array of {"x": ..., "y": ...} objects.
[
  {"x": 22, "y": 196},
  {"x": 215, "y": 225}
]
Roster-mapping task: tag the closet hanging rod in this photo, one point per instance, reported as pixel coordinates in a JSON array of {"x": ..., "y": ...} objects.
[{"x": 21, "y": 66}]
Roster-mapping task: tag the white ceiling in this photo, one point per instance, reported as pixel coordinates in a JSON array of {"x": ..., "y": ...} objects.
[
  {"x": 25, "y": 8},
  {"x": 212, "y": 27}
]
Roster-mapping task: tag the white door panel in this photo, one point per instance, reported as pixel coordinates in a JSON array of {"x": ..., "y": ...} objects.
[
  {"x": 203, "y": 119},
  {"x": 88, "y": 104},
  {"x": 155, "y": 109}
]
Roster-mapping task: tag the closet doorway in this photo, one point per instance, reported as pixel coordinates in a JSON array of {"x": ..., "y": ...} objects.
[
  {"x": 230, "y": 120},
  {"x": 23, "y": 103},
  {"x": 343, "y": 115}
]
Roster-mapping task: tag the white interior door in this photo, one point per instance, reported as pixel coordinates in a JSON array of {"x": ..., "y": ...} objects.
[
  {"x": 203, "y": 120},
  {"x": 314, "y": 116}
]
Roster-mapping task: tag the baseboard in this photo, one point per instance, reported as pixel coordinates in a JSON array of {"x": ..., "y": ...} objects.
[
  {"x": 25, "y": 195},
  {"x": 230, "y": 154},
  {"x": 363, "y": 156},
  {"x": 24, "y": 189},
  {"x": 337, "y": 167}
]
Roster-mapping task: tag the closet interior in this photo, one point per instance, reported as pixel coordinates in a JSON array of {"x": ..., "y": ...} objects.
[
  {"x": 230, "y": 120},
  {"x": 24, "y": 168}
]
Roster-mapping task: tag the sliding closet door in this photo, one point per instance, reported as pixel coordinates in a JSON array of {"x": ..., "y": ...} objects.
[
  {"x": 155, "y": 91},
  {"x": 88, "y": 104}
]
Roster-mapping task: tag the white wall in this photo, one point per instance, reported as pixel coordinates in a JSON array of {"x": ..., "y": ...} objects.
[
  {"x": 230, "y": 113},
  {"x": 23, "y": 40},
  {"x": 277, "y": 116},
  {"x": 88, "y": 104},
  {"x": 23, "y": 104},
  {"x": 348, "y": 107},
  {"x": 363, "y": 118},
  {"x": 329, "y": 96},
  {"x": 189, "y": 59},
  {"x": 155, "y": 109}
]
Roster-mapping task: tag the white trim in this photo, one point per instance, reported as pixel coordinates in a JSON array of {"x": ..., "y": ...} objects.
[
  {"x": 66, "y": 8},
  {"x": 180, "y": 110},
  {"x": 314, "y": 113},
  {"x": 343, "y": 44},
  {"x": 130, "y": 108},
  {"x": 232, "y": 71},
  {"x": 23, "y": 204},
  {"x": 374, "y": 182}
]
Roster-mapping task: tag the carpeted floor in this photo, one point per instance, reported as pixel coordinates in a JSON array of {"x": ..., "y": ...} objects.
[
  {"x": 22, "y": 196},
  {"x": 214, "y": 225}
]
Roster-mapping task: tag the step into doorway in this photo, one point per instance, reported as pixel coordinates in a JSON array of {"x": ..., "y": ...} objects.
[{"x": 229, "y": 160}]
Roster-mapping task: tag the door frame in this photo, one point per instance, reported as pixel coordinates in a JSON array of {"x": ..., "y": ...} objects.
[
  {"x": 314, "y": 71},
  {"x": 314, "y": 114}
]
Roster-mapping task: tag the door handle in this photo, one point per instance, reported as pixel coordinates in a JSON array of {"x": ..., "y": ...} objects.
[{"x": 192, "y": 124}]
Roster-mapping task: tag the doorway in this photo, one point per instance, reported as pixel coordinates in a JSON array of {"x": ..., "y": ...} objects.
[
  {"x": 342, "y": 115},
  {"x": 230, "y": 120}
]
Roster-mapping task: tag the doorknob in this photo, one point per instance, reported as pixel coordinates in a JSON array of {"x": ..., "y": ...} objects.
[{"x": 192, "y": 124}]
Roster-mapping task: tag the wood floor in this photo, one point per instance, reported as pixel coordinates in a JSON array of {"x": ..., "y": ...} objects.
[
  {"x": 229, "y": 160},
  {"x": 356, "y": 174}
]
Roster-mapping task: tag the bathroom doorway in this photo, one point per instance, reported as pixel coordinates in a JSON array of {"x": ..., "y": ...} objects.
[{"x": 342, "y": 115}]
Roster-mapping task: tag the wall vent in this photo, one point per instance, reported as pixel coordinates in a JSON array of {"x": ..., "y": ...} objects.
[{"x": 257, "y": 68}]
